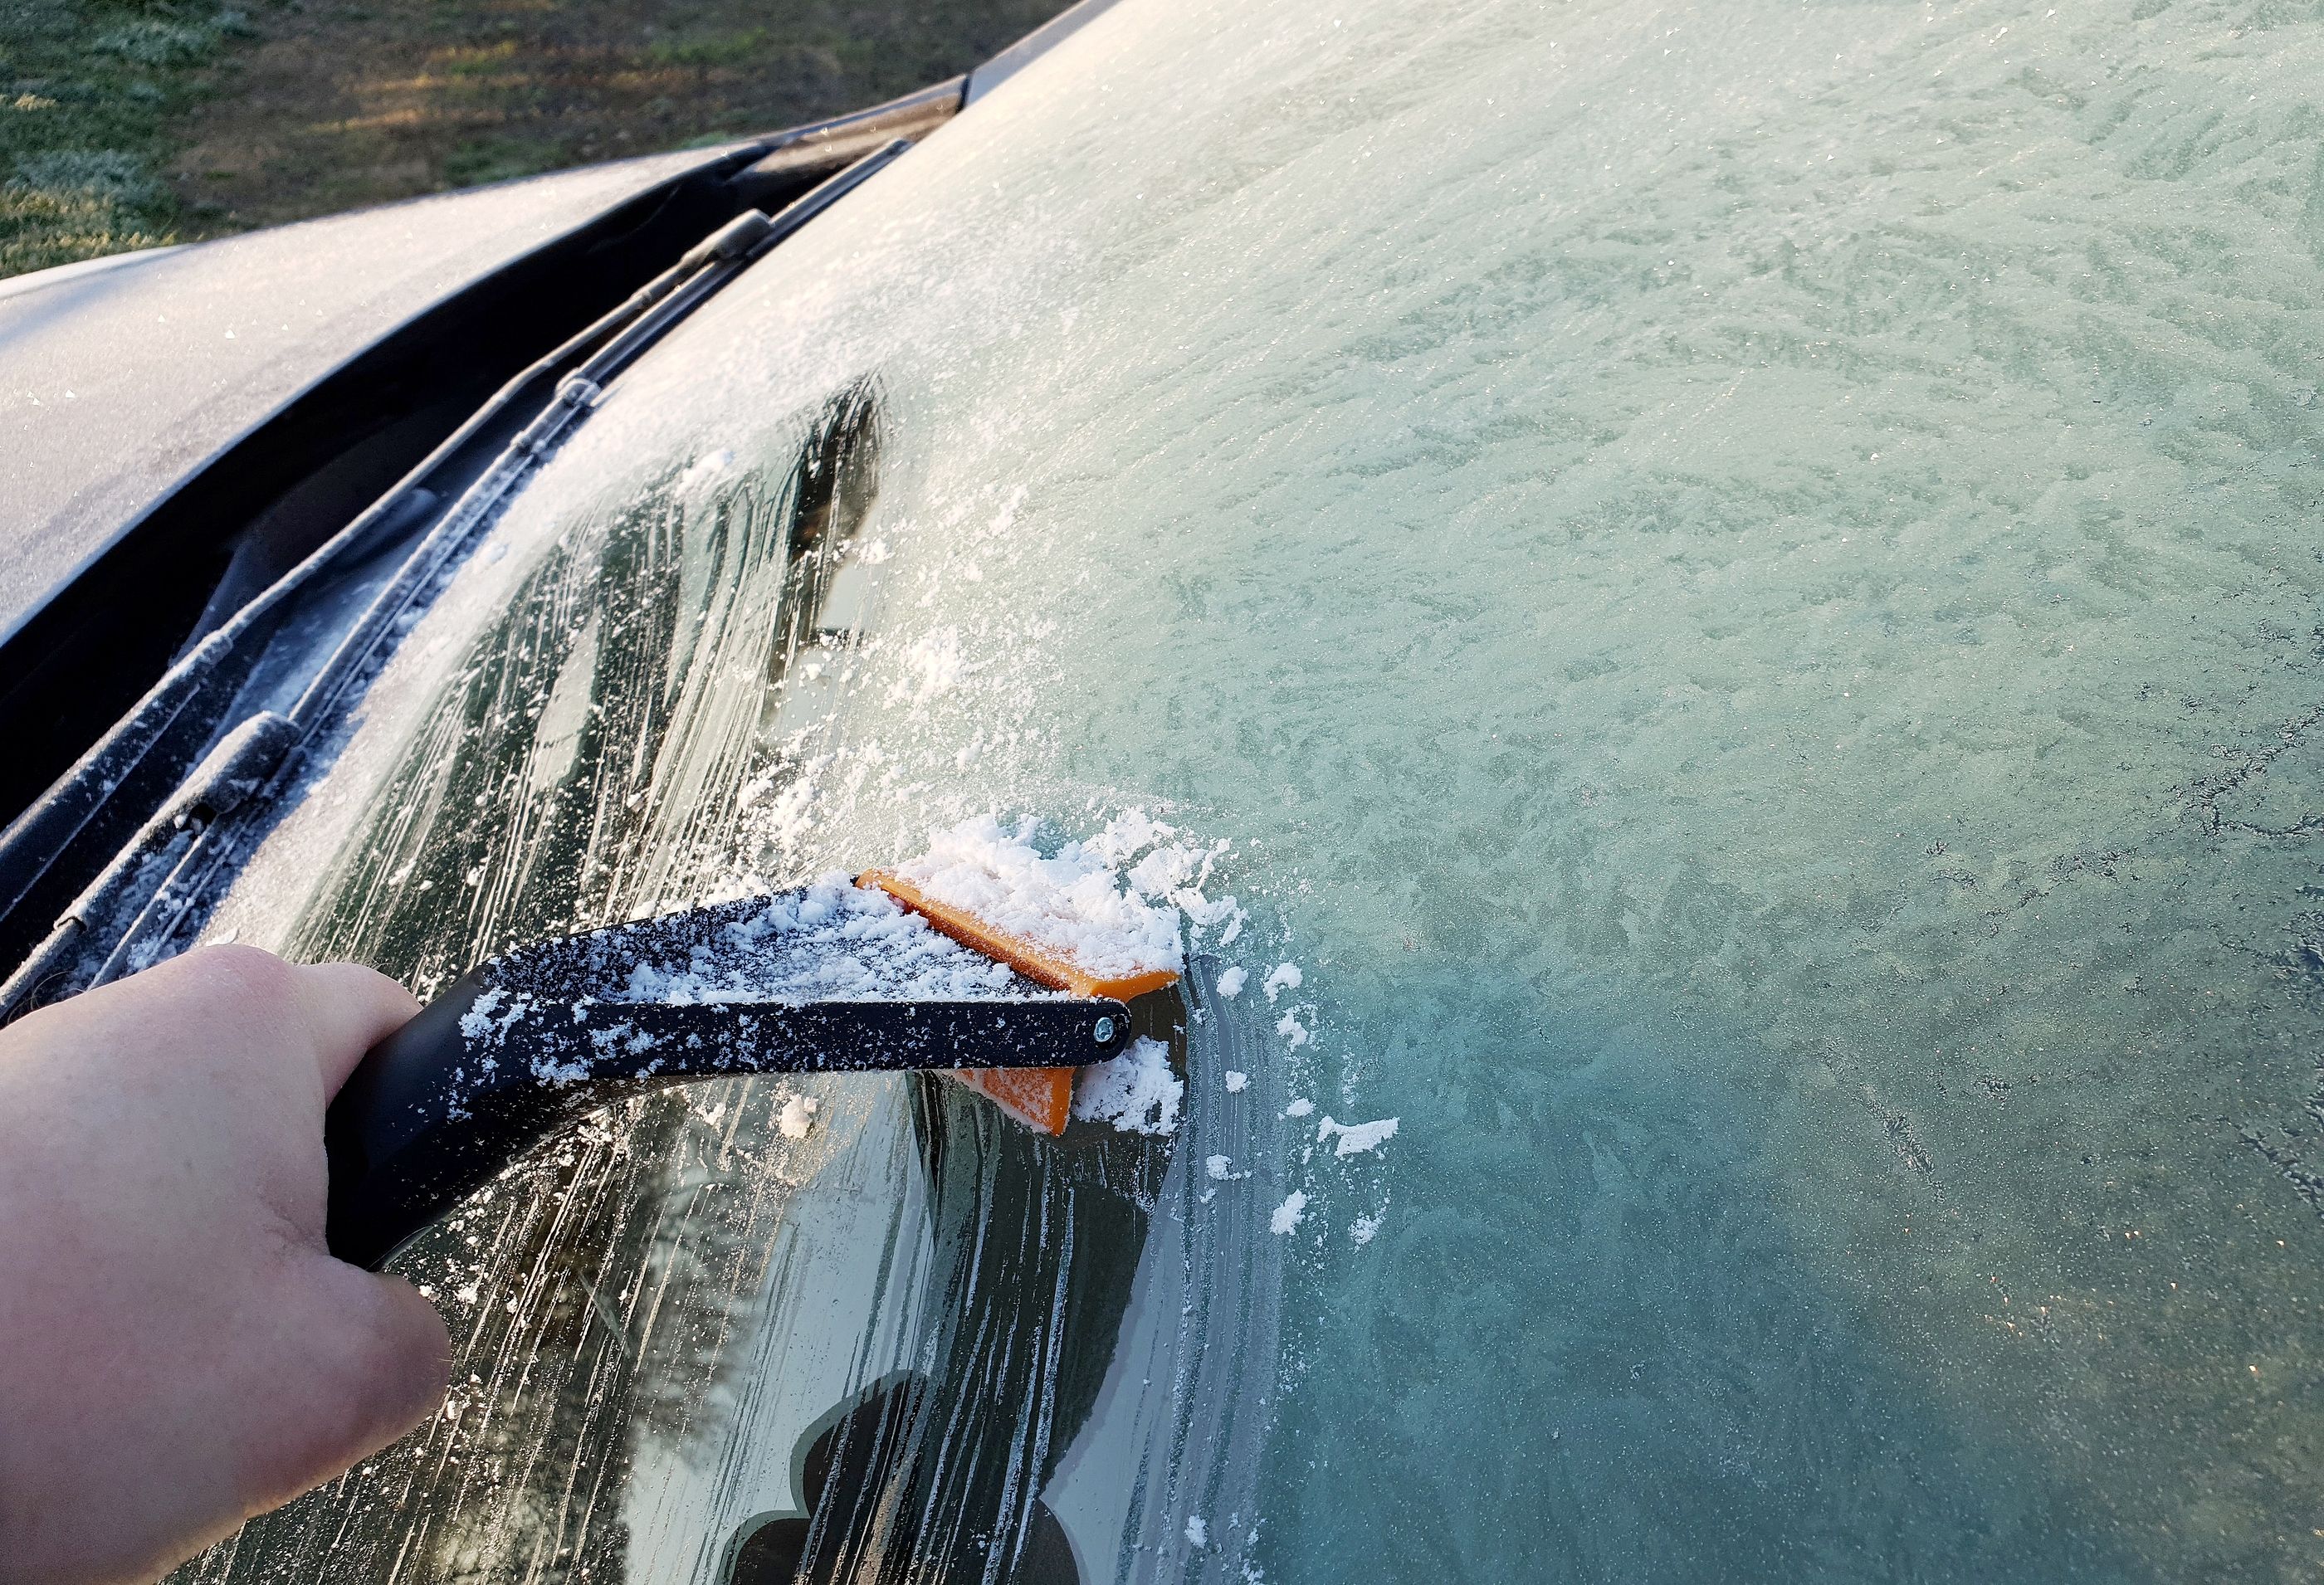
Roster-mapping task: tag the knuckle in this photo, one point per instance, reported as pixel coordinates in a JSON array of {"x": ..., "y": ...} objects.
[
  {"x": 371, "y": 981},
  {"x": 251, "y": 970}
]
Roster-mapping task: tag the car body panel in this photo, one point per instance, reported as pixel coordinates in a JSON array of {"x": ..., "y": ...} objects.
[{"x": 120, "y": 377}]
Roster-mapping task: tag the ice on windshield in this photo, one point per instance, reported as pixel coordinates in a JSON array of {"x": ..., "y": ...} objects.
[
  {"x": 1072, "y": 902},
  {"x": 768, "y": 1325},
  {"x": 1740, "y": 584},
  {"x": 834, "y": 940}
]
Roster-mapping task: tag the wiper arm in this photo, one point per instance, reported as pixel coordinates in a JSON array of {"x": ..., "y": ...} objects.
[{"x": 144, "y": 897}]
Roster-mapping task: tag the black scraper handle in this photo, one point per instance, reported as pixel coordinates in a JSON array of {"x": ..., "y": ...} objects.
[{"x": 437, "y": 1109}]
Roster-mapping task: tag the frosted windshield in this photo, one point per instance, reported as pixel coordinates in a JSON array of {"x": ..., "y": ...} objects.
[{"x": 1738, "y": 582}]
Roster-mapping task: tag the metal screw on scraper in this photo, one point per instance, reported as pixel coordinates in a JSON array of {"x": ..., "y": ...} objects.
[{"x": 1104, "y": 1031}]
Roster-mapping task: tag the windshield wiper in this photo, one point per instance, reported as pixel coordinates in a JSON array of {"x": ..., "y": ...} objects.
[{"x": 159, "y": 884}]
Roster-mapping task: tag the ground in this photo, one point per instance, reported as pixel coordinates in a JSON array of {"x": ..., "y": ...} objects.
[{"x": 128, "y": 123}]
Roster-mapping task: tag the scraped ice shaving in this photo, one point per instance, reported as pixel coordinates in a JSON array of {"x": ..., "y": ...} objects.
[
  {"x": 705, "y": 469},
  {"x": 1231, "y": 982},
  {"x": 1293, "y": 1030},
  {"x": 1136, "y": 1092},
  {"x": 1299, "y": 1107},
  {"x": 1163, "y": 872},
  {"x": 1206, "y": 911},
  {"x": 1235, "y": 1081},
  {"x": 786, "y": 819},
  {"x": 1219, "y": 1166},
  {"x": 1126, "y": 836},
  {"x": 936, "y": 664},
  {"x": 1362, "y": 1229},
  {"x": 491, "y": 1015},
  {"x": 1197, "y": 1532},
  {"x": 1287, "y": 1215},
  {"x": 833, "y": 942},
  {"x": 1286, "y": 977},
  {"x": 797, "y": 1117},
  {"x": 549, "y": 1071},
  {"x": 1355, "y": 1138},
  {"x": 1069, "y": 904}
]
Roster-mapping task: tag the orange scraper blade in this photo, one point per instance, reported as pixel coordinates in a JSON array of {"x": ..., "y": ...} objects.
[
  {"x": 1038, "y": 964},
  {"x": 1038, "y": 1098}
]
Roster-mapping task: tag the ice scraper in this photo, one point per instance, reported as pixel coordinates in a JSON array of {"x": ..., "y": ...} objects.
[{"x": 827, "y": 979}]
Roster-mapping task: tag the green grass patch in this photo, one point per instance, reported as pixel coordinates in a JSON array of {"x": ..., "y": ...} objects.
[
  {"x": 86, "y": 89},
  {"x": 501, "y": 159},
  {"x": 484, "y": 60},
  {"x": 728, "y": 48}
]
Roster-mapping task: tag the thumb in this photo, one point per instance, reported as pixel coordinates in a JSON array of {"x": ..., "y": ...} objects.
[
  {"x": 364, "y": 1358},
  {"x": 349, "y": 1010}
]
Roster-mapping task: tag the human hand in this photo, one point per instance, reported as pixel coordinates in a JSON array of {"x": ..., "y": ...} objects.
[{"x": 177, "y": 1350}]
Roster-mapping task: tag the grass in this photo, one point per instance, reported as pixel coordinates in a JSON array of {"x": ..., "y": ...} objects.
[
  {"x": 88, "y": 92},
  {"x": 128, "y": 123}
]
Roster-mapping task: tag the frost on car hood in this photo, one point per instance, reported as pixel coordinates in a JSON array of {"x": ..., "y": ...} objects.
[{"x": 1738, "y": 582}]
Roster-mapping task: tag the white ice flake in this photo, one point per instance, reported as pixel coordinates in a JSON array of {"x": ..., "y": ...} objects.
[
  {"x": 797, "y": 1117},
  {"x": 549, "y": 1071},
  {"x": 1299, "y": 1107},
  {"x": 477, "y": 1022},
  {"x": 1293, "y": 1030},
  {"x": 1164, "y": 872},
  {"x": 935, "y": 663},
  {"x": 1235, "y": 1081},
  {"x": 1231, "y": 982},
  {"x": 1286, "y": 977},
  {"x": 705, "y": 468},
  {"x": 1126, "y": 836},
  {"x": 786, "y": 819},
  {"x": 1288, "y": 1214},
  {"x": 1364, "y": 1228},
  {"x": 1136, "y": 1092},
  {"x": 1355, "y": 1138},
  {"x": 1203, "y": 911},
  {"x": 479, "y": 1025}
]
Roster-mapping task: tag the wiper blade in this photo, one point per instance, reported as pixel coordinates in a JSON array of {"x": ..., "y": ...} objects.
[{"x": 156, "y": 887}]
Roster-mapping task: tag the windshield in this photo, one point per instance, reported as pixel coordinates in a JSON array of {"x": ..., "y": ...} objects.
[{"x": 1737, "y": 584}]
